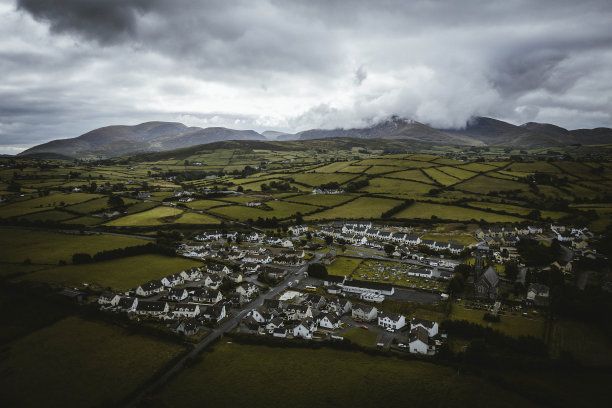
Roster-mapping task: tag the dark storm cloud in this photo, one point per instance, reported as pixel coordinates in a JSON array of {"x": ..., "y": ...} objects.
[
  {"x": 72, "y": 65},
  {"x": 105, "y": 21}
]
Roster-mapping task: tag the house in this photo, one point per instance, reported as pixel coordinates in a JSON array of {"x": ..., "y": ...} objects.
[
  {"x": 144, "y": 194},
  {"x": 176, "y": 294},
  {"x": 191, "y": 274},
  {"x": 298, "y": 312},
  {"x": 331, "y": 280},
  {"x": 152, "y": 308},
  {"x": 412, "y": 240},
  {"x": 150, "y": 288},
  {"x": 431, "y": 327},
  {"x": 186, "y": 309},
  {"x": 261, "y": 315},
  {"x": 418, "y": 342},
  {"x": 275, "y": 324},
  {"x": 538, "y": 294},
  {"x": 187, "y": 327},
  {"x": 456, "y": 249},
  {"x": 218, "y": 269},
  {"x": 304, "y": 329},
  {"x": 298, "y": 229},
  {"x": 328, "y": 321},
  {"x": 213, "y": 313},
  {"x": 280, "y": 332},
  {"x": 391, "y": 320},
  {"x": 372, "y": 233},
  {"x": 213, "y": 281},
  {"x": 127, "y": 304},
  {"x": 385, "y": 236},
  {"x": 364, "y": 312},
  {"x": 237, "y": 299},
  {"x": 109, "y": 299},
  {"x": 429, "y": 243},
  {"x": 249, "y": 268},
  {"x": 206, "y": 295},
  {"x": 248, "y": 290},
  {"x": 398, "y": 237},
  {"x": 339, "y": 305},
  {"x": 485, "y": 285},
  {"x": 287, "y": 243},
  {"x": 316, "y": 301},
  {"x": 260, "y": 259}
]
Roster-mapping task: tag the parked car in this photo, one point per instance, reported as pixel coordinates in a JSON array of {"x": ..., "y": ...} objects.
[
  {"x": 402, "y": 345},
  {"x": 390, "y": 330},
  {"x": 363, "y": 326}
]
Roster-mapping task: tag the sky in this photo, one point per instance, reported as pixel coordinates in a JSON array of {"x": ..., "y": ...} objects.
[{"x": 70, "y": 66}]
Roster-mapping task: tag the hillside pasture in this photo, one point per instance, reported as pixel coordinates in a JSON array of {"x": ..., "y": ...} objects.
[
  {"x": 363, "y": 207},
  {"x": 146, "y": 218},
  {"x": 420, "y": 210},
  {"x": 119, "y": 274},
  {"x": 76, "y": 362}
]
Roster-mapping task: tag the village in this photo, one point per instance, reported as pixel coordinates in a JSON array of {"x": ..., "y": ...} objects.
[{"x": 271, "y": 285}]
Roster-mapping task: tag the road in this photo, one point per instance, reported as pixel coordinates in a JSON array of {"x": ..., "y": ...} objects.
[{"x": 229, "y": 324}]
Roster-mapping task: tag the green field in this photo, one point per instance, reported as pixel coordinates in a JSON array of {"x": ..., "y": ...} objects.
[
  {"x": 43, "y": 247},
  {"x": 394, "y": 186},
  {"x": 448, "y": 212},
  {"x": 79, "y": 363},
  {"x": 195, "y": 218},
  {"x": 363, "y": 207},
  {"x": 274, "y": 377},
  {"x": 361, "y": 336},
  {"x": 343, "y": 266},
  {"x": 118, "y": 274},
  {"x": 323, "y": 200},
  {"x": 146, "y": 218},
  {"x": 43, "y": 203},
  {"x": 280, "y": 210}
]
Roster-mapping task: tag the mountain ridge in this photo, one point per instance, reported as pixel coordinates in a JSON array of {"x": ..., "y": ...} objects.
[{"x": 156, "y": 136}]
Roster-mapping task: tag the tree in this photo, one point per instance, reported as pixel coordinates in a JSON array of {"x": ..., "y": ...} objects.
[
  {"x": 115, "y": 202},
  {"x": 81, "y": 258},
  {"x": 456, "y": 283},
  {"x": 308, "y": 236},
  {"x": 299, "y": 220},
  {"x": 463, "y": 270},
  {"x": 329, "y": 239},
  {"x": 317, "y": 270},
  {"x": 512, "y": 271},
  {"x": 389, "y": 249},
  {"x": 240, "y": 189}
]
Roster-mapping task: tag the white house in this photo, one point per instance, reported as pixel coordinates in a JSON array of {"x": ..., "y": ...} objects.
[
  {"x": 304, "y": 329},
  {"x": 287, "y": 243},
  {"x": 186, "y": 309},
  {"x": 364, "y": 312},
  {"x": 329, "y": 321},
  {"x": 206, "y": 295},
  {"x": 172, "y": 280},
  {"x": 109, "y": 299},
  {"x": 298, "y": 312},
  {"x": 213, "y": 313},
  {"x": 127, "y": 304},
  {"x": 412, "y": 240},
  {"x": 152, "y": 308},
  {"x": 431, "y": 327},
  {"x": 419, "y": 341},
  {"x": 191, "y": 274},
  {"x": 298, "y": 229},
  {"x": 150, "y": 288},
  {"x": 391, "y": 320},
  {"x": 177, "y": 294}
]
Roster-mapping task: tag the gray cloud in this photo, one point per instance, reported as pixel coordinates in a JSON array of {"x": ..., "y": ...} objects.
[{"x": 72, "y": 65}]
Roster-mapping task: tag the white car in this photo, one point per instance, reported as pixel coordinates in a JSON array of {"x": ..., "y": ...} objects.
[
  {"x": 390, "y": 330},
  {"x": 401, "y": 345}
]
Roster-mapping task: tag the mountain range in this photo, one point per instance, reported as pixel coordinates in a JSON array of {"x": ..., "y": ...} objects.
[{"x": 113, "y": 141}]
